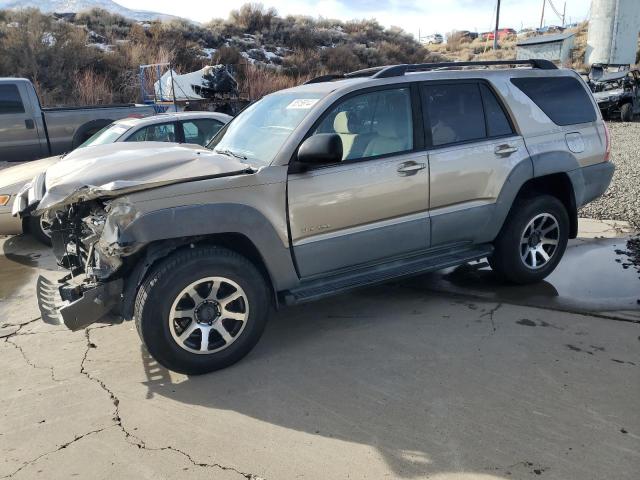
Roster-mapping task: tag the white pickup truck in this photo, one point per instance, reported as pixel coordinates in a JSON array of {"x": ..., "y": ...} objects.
[{"x": 29, "y": 132}]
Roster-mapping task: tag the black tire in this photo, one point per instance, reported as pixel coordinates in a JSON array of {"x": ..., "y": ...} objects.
[
  {"x": 35, "y": 229},
  {"x": 163, "y": 285},
  {"x": 507, "y": 261},
  {"x": 626, "y": 112},
  {"x": 84, "y": 132}
]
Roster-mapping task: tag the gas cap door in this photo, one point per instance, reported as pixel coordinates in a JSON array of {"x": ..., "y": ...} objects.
[{"x": 575, "y": 142}]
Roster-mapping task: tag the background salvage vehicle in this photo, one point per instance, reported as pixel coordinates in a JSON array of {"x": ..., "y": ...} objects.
[
  {"x": 346, "y": 181},
  {"x": 617, "y": 93},
  {"x": 28, "y": 131},
  {"x": 192, "y": 127}
]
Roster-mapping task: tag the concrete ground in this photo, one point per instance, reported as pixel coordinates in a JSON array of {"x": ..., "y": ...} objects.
[{"x": 406, "y": 380}]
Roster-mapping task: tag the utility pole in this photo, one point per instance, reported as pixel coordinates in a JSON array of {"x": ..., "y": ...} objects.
[
  {"x": 542, "y": 17},
  {"x": 495, "y": 31},
  {"x": 564, "y": 12}
]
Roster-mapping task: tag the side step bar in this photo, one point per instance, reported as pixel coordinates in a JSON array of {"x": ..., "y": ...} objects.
[{"x": 327, "y": 286}]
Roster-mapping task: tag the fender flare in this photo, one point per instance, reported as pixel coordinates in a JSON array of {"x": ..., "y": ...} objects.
[{"x": 211, "y": 219}]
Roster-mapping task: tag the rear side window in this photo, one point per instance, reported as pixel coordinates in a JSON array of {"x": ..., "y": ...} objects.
[
  {"x": 165, "y": 132},
  {"x": 10, "y": 101},
  {"x": 200, "y": 131},
  {"x": 455, "y": 112},
  {"x": 562, "y": 99},
  {"x": 497, "y": 123}
]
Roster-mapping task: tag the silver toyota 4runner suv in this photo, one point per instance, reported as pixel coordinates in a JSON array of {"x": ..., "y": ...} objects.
[{"x": 343, "y": 182}]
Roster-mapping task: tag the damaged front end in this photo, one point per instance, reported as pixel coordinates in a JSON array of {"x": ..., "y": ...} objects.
[{"x": 84, "y": 238}]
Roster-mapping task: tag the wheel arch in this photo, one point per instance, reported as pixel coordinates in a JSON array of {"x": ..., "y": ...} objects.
[
  {"x": 156, "y": 252},
  {"x": 558, "y": 185},
  {"x": 240, "y": 228},
  {"x": 82, "y": 132}
]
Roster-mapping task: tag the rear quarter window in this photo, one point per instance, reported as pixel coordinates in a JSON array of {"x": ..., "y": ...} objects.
[{"x": 563, "y": 99}]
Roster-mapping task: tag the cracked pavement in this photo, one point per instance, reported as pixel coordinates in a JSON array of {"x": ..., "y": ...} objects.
[{"x": 396, "y": 381}]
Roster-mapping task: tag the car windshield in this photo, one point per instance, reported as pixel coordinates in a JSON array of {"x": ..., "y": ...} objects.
[
  {"x": 108, "y": 134},
  {"x": 258, "y": 133}
]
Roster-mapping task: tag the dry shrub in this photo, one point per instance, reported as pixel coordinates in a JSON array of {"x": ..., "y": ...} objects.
[
  {"x": 90, "y": 88},
  {"x": 256, "y": 82}
]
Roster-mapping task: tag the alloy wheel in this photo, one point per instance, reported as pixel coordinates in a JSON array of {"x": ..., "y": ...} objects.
[
  {"x": 209, "y": 315},
  {"x": 539, "y": 241}
]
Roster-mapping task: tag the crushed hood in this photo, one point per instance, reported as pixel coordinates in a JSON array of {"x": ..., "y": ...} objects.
[{"x": 118, "y": 168}]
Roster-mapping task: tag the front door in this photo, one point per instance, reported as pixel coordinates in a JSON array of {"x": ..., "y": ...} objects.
[
  {"x": 19, "y": 136},
  {"x": 373, "y": 205}
]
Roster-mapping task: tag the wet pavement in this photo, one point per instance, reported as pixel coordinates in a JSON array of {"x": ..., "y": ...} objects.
[{"x": 599, "y": 276}]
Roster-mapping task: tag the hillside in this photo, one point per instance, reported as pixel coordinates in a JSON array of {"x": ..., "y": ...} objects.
[
  {"x": 75, "y": 6},
  {"x": 94, "y": 56}
]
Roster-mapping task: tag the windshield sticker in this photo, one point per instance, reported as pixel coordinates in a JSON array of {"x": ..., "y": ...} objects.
[{"x": 302, "y": 103}]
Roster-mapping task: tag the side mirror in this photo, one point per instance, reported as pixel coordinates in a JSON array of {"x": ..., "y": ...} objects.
[{"x": 321, "y": 148}]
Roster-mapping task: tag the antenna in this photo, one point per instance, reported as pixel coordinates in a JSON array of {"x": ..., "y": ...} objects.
[{"x": 495, "y": 32}]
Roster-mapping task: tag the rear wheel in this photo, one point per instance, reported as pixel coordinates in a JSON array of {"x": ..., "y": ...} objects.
[
  {"x": 626, "y": 112},
  {"x": 202, "y": 309},
  {"x": 532, "y": 241}
]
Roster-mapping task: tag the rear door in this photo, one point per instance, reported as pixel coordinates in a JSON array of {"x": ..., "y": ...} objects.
[
  {"x": 200, "y": 131},
  {"x": 473, "y": 149},
  {"x": 19, "y": 138},
  {"x": 373, "y": 205}
]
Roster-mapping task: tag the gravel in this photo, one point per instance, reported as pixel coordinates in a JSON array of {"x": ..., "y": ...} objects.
[{"x": 622, "y": 199}]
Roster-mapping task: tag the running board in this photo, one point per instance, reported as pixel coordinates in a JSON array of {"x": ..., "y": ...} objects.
[{"x": 327, "y": 286}]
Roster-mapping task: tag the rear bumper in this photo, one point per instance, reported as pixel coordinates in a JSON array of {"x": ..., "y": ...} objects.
[
  {"x": 591, "y": 182},
  {"x": 77, "y": 306}
]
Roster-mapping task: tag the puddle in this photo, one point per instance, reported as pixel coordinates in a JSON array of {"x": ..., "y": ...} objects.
[{"x": 595, "y": 275}]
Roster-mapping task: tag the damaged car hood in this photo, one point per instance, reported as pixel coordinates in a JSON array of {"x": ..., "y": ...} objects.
[{"x": 118, "y": 168}]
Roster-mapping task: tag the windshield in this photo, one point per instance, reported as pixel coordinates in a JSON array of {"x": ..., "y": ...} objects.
[
  {"x": 259, "y": 132},
  {"x": 108, "y": 134}
]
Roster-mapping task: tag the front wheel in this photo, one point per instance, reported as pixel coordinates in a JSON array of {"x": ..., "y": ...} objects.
[
  {"x": 40, "y": 229},
  {"x": 202, "y": 309},
  {"x": 532, "y": 240},
  {"x": 626, "y": 112}
]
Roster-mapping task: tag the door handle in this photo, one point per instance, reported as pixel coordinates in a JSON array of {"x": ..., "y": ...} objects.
[
  {"x": 505, "y": 150},
  {"x": 410, "y": 168},
  {"x": 29, "y": 124}
]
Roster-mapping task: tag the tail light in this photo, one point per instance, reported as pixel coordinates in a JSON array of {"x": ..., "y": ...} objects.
[{"x": 607, "y": 137}]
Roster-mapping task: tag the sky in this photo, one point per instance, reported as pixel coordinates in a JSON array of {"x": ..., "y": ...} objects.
[{"x": 428, "y": 16}]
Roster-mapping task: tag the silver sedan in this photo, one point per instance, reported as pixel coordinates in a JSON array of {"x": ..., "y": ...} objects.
[{"x": 187, "y": 127}]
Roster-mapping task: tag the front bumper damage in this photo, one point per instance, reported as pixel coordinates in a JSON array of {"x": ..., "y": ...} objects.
[{"x": 78, "y": 305}]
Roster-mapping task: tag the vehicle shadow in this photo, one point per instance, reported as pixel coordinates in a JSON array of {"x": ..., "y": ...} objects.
[
  {"x": 390, "y": 367},
  {"x": 27, "y": 251}
]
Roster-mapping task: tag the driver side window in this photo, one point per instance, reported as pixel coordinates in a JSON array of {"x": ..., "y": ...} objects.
[{"x": 372, "y": 124}]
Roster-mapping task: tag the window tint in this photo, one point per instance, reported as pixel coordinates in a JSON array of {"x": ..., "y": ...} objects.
[
  {"x": 454, "y": 112},
  {"x": 562, "y": 99},
  {"x": 372, "y": 124},
  {"x": 200, "y": 131},
  {"x": 155, "y": 133},
  {"x": 10, "y": 101},
  {"x": 497, "y": 122}
]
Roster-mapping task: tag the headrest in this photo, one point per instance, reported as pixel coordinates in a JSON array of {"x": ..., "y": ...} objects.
[{"x": 341, "y": 123}]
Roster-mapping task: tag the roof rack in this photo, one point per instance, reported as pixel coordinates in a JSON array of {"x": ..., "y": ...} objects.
[{"x": 400, "y": 70}]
